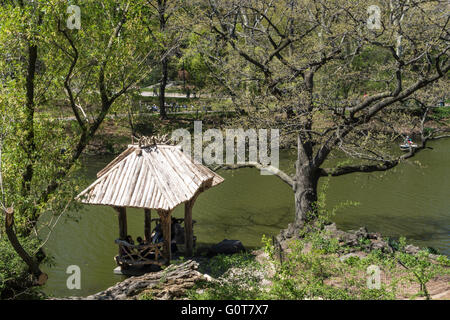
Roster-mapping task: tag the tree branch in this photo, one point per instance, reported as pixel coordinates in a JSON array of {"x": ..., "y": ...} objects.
[{"x": 271, "y": 169}]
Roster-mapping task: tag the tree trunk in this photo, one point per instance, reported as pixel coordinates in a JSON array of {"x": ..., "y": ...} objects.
[
  {"x": 29, "y": 141},
  {"x": 305, "y": 194},
  {"x": 162, "y": 89},
  {"x": 164, "y": 62},
  {"x": 41, "y": 278},
  {"x": 131, "y": 122},
  {"x": 305, "y": 189}
]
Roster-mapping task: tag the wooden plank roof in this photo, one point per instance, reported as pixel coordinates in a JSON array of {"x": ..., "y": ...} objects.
[{"x": 152, "y": 178}]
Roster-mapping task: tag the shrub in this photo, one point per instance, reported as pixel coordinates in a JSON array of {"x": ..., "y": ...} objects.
[
  {"x": 238, "y": 278},
  {"x": 422, "y": 269},
  {"x": 15, "y": 280}
]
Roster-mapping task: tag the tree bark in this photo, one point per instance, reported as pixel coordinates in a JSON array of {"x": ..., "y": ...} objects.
[
  {"x": 304, "y": 186},
  {"x": 29, "y": 141},
  {"x": 168, "y": 284},
  {"x": 41, "y": 277},
  {"x": 162, "y": 89},
  {"x": 166, "y": 224},
  {"x": 164, "y": 62},
  {"x": 305, "y": 193}
]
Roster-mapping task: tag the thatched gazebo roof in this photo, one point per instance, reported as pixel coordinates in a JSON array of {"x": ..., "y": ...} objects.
[
  {"x": 159, "y": 177},
  {"x": 156, "y": 176}
]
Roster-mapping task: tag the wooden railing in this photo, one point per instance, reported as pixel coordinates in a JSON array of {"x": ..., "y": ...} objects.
[{"x": 142, "y": 254}]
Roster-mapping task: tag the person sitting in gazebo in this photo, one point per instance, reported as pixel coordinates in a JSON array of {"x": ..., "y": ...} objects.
[
  {"x": 144, "y": 252},
  {"x": 125, "y": 249},
  {"x": 140, "y": 241},
  {"x": 157, "y": 235},
  {"x": 130, "y": 240}
]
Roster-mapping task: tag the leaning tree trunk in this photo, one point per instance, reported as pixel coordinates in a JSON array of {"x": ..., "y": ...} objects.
[{"x": 41, "y": 277}]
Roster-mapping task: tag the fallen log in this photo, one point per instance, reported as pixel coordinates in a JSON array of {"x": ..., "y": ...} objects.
[{"x": 168, "y": 284}]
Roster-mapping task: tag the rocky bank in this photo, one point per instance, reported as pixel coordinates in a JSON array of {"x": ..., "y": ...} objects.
[{"x": 175, "y": 280}]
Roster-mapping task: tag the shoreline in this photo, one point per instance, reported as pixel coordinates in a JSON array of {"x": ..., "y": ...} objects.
[{"x": 177, "y": 280}]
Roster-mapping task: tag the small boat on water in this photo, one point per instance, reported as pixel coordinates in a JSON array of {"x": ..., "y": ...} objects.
[{"x": 408, "y": 144}]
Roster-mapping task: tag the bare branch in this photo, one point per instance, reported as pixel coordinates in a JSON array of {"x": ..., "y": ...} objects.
[{"x": 270, "y": 169}]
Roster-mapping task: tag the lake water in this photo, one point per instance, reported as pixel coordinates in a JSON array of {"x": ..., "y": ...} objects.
[{"x": 411, "y": 201}]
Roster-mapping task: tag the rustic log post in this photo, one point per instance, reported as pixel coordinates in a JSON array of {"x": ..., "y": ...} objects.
[
  {"x": 148, "y": 225},
  {"x": 188, "y": 227},
  {"x": 188, "y": 230},
  {"x": 166, "y": 222},
  {"x": 41, "y": 277},
  {"x": 123, "y": 232}
]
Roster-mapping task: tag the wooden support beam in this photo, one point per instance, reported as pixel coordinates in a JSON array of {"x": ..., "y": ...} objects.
[
  {"x": 123, "y": 232},
  {"x": 188, "y": 230},
  {"x": 188, "y": 227},
  {"x": 148, "y": 225},
  {"x": 166, "y": 225}
]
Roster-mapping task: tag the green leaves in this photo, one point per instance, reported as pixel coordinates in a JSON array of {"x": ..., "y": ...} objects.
[
  {"x": 421, "y": 268},
  {"x": 41, "y": 151},
  {"x": 14, "y": 277}
]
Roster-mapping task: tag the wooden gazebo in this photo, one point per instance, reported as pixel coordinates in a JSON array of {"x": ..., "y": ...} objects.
[{"x": 158, "y": 177}]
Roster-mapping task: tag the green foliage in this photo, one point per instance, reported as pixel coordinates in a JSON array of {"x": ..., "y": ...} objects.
[
  {"x": 440, "y": 113},
  {"x": 146, "y": 295},
  {"x": 322, "y": 243},
  {"x": 422, "y": 269},
  {"x": 238, "y": 278},
  {"x": 15, "y": 280},
  {"x": 39, "y": 151},
  {"x": 312, "y": 270},
  {"x": 144, "y": 126},
  {"x": 179, "y": 260},
  {"x": 42, "y": 65},
  {"x": 312, "y": 267},
  {"x": 221, "y": 263}
]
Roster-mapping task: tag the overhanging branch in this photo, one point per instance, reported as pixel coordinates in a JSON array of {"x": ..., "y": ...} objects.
[{"x": 271, "y": 169}]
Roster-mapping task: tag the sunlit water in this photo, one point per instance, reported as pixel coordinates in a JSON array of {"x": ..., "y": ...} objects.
[{"x": 409, "y": 201}]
